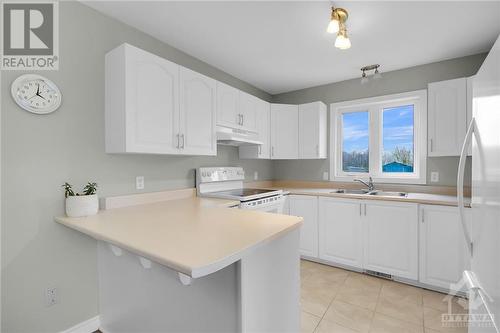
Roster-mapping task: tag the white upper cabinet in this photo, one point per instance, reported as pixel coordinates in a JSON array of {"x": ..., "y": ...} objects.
[
  {"x": 340, "y": 232},
  {"x": 247, "y": 107},
  {"x": 284, "y": 131},
  {"x": 312, "y": 131},
  {"x": 391, "y": 238},
  {"x": 306, "y": 207},
  {"x": 263, "y": 151},
  {"x": 197, "y": 114},
  {"x": 142, "y": 102},
  {"x": 443, "y": 251},
  {"x": 227, "y": 105},
  {"x": 154, "y": 106},
  {"x": 447, "y": 112}
]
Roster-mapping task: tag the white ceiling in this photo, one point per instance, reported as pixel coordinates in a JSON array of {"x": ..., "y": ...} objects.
[{"x": 282, "y": 46}]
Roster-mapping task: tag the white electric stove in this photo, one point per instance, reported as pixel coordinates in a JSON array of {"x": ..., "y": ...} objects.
[{"x": 227, "y": 183}]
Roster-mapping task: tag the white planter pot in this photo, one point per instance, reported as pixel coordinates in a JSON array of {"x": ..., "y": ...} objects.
[{"x": 83, "y": 205}]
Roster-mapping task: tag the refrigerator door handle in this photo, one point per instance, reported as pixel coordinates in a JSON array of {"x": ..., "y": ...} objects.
[{"x": 460, "y": 183}]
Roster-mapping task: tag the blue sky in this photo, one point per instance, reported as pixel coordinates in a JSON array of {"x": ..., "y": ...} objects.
[
  {"x": 397, "y": 129},
  {"x": 355, "y": 131}
]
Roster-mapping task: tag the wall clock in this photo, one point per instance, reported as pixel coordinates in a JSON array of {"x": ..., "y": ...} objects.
[{"x": 36, "y": 94}]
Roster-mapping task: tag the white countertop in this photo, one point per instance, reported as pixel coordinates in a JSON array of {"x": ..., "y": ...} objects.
[
  {"x": 194, "y": 236},
  {"x": 421, "y": 198}
]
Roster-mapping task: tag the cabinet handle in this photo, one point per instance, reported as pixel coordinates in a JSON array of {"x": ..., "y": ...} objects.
[
  {"x": 178, "y": 141},
  {"x": 272, "y": 151},
  {"x": 360, "y": 209},
  {"x": 432, "y": 145},
  {"x": 239, "y": 119},
  {"x": 423, "y": 217},
  {"x": 260, "y": 149},
  {"x": 182, "y": 137},
  {"x": 242, "y": 119}
]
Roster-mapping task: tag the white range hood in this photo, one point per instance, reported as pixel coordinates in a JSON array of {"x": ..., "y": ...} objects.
[{"x": 236, "y": 137}]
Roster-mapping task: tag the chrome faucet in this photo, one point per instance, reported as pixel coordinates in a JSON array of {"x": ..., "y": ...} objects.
[{"x": 370, "y": 185}]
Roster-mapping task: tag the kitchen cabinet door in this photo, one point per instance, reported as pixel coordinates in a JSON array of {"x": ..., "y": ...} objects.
[
  {"x": 306, "y": 207},
  {"x": 141, "y": 103},
  {"x": 443, "y": 252},
  {"x": 286, "y": 205},
  {"x": 197, "y": 114},
  {"x": 391, "y": 238},
  {"x": 262, "y": 151},
  {"x": 247, "y": 107},
  {"x": 227, "y": 106},
  {"x": 340, "y": 235},
  {"x": 312, "y": 131},
  {"x": 284, "y": 131},
  {"x": 447, "y": 113}
]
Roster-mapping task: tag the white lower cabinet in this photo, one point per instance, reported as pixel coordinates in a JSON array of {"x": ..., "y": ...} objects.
[
  {"x": 340, "y": 233},
  {"x": 286, "y": 205},
  {"x": 306, "y": 207},
  {"x": 390, "y": 232},
  {"x": 443, "y": 251}
]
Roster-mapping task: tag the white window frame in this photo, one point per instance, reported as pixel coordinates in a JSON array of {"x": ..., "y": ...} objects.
[{"x": 375, "y": 106}]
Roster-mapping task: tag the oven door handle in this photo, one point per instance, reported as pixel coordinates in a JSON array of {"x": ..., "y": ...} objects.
[{"x": 278, "y": 202}]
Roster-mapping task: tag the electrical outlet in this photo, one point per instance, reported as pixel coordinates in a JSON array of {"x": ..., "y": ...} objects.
[
  {"x": 434, "y": 176},
  {"x": 325, "y": 175},
  {"x": 255, "y": 175},
  {"x": 139, "y": 183},
  {"x": 50, "y": 296}
]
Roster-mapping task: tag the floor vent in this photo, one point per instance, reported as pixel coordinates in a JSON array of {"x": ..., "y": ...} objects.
[{"x": 378, "y": 274}]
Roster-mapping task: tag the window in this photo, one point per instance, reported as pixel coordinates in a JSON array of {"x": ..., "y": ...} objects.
[
  {"x": 397, "y": 136},
  {"x": 382, "y": 137},
  {"x": 355, "y": 137}
]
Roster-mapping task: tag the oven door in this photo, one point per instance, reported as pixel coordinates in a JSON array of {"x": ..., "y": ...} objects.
[{"x": 275, "y": 206}]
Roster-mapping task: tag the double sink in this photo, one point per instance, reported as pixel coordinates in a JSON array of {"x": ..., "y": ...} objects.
[{"x": 366, "y": 192}]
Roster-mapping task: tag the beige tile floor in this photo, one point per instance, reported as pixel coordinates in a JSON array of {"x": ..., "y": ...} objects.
[{"x": 334, "y": 300}]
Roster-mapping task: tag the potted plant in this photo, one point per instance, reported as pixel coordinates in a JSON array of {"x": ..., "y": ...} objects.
[{"x": 81, "y": 204}]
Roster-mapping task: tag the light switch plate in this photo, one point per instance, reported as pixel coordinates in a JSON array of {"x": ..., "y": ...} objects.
[
  {"x": 139, "y": 183},
  {"x": 325, "y": 175},
  {"x": 434, "y": 176}
]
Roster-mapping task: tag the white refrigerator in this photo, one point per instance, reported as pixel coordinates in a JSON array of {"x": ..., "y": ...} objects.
[{"x": 483, "y": 279}]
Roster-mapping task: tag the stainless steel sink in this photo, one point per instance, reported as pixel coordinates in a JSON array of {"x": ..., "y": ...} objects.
[
  {"x": 349, "y": 191},
  {"x": 388, "y": 194},
  {"x": 366, "y": 192}
]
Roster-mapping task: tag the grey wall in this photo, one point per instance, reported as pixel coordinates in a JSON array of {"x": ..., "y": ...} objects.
[
  {"x": 404, "y": 80},
  {"x": 39, "y": 153}
]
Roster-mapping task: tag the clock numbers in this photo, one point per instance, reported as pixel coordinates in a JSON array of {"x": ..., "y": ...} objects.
[{"x": 36, "y": 94}]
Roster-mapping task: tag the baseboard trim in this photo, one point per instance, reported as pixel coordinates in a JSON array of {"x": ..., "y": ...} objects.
[{"x": 88, "y": 326}]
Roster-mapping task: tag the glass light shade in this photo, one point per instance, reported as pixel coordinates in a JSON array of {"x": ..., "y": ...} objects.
[
  {"x": 333, "y": 27},
  {"x": 342, "y": 42}
]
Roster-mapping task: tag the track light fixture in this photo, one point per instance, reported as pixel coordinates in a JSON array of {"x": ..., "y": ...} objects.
[{"x": 376, "y": 75}]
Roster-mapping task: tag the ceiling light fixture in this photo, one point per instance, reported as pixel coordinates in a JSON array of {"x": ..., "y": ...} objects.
[
  {"x": 376, "y": 75},
  {"x": 338, "y": 18}
]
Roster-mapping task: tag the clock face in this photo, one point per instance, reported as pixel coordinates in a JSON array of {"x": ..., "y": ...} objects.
[{"x": 36, "y": 94}]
